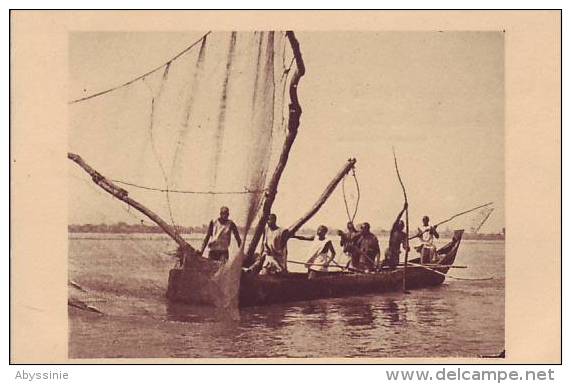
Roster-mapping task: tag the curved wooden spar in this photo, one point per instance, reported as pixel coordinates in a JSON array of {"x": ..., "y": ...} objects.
[
  {"x": 400, "y": 179},
  {"x": 406, "y": 222},
  {"x": 123, "y": 195},
  {"x": 293, "y": 124},
  {"x": 324, "y": 196},
  {"x": 453, "y": 217}
]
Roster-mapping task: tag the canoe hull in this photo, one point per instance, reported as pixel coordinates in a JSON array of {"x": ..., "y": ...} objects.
[
  {"x": 265, "y": 290},
  {"x": 271, "y": 289}
]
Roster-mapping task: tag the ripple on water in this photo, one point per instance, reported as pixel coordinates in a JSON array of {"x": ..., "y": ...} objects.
[{"x": 459, "y": 318}]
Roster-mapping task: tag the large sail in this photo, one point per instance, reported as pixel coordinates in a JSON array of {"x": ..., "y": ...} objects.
[
  {"x": 199, "y": 132},
  {"x": 205, "y": 129}
]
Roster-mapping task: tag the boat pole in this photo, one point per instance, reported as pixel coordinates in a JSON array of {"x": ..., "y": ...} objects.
[
  {"x": 406, "y": 223},
  {"x": 350, "y": 164}
]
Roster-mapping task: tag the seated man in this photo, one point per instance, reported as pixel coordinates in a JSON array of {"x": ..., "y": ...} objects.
[
  {"x": 321, "y": 253},
  {"x": 397, "y": 238},
  {"x": 426, "y": 234}
]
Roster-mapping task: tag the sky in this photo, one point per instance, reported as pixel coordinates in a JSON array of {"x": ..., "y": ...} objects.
[{"x": 436, "y": 97}]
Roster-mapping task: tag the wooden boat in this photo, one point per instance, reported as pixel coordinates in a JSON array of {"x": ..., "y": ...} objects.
[
  {"x": 271, "y": 289},
  {"x": 202, "y": 281}
]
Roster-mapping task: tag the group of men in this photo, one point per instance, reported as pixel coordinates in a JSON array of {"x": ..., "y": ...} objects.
[
  {"x": 361, "y": 246},
  {"x": 364, "y": 251}
]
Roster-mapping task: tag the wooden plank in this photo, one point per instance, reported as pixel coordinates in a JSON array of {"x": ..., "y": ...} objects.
[{"x": 324, "y": 196}]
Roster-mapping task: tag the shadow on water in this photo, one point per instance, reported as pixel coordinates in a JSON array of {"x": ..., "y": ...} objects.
[
  {"x": 186, "y": 313},
  {"x": 358, "y": 314},
  {"x": 392, "y": 313},
  {"x": 350, "y": 313},
  {"x": 270, "y": 317},
  {"x": 458, "y": 318}
]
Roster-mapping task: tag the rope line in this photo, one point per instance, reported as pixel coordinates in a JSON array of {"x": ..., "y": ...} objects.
[
  {"x": 245, "y": 191},
  {"x": 143, "y": 75},
  {"x": 151, "y": 137},
  {"x": 349, "y": 216},
  {"x": 485, "y": 219},
  {"x": 121, "y": 203}
]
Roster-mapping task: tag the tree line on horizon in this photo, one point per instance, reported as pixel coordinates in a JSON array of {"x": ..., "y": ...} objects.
[{"x": 122, "y": 227}]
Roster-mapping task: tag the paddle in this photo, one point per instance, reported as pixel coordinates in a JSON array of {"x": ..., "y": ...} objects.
[
  {"x": 449, "y": 276},
  {"x": 326, "y": 265},
  {"x": 406, "y": 224}
]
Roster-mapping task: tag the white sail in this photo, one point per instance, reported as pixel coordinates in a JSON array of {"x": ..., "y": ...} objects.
[
  {"x": 205, "y": 129},
  {"x": 207, "y": 126}
]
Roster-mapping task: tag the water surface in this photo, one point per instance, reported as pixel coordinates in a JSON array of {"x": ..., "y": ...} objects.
[{"x": 126, "y": 276}]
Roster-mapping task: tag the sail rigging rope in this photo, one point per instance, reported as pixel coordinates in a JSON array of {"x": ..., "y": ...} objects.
[
  {"x": 245, "y": 191},
  {"x": 349, "y": 216},
  {"x": 153, "y": 145},
  {"x": 143, "y": 75},
  {"x": 484, "y": 221},
  {"x": 450, "y": 219},
  {"x": 97, "y": 190}
]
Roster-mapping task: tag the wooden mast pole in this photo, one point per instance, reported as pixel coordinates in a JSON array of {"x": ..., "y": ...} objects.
[
  {"x": 324, "y": 196},
  {"x": 123, "y": 195},
  {"x": 406, "y": 223},
  {"x": 293, "y": 124}
]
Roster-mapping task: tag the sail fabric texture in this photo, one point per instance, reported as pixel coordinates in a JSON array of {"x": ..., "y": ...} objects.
[
  {"x": 203, "y": 130},
  {"x": 205, "y": 127}
]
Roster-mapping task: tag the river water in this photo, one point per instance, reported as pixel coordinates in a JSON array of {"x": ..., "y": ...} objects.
[{"x": 125, "y": 277}]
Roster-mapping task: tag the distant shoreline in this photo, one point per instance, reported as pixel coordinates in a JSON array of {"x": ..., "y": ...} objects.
[{"x": 123, "y": 228}]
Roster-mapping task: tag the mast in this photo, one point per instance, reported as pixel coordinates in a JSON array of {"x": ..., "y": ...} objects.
[
  {"x": 324, "y": 196},
  {"x": 123, "y": 195},
  {"x": 293, "y": 124}
]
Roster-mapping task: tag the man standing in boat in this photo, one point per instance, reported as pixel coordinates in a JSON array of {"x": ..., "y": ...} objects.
[
  {"x": 397, "y": 238},
  {"x": 348, "y": 243},
  {"x": 426, "y": 234},
  {"x": 218, "y": 236},
  {"x": 367, "y": 245},
  {"x": 321, "y": 253},
  {"x": 274, "y": 243},
  {"x": 274, "y": 247}
]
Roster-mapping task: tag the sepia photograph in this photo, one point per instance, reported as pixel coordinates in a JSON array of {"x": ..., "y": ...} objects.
[
  {"x": 286, "y": 194},
  {"x": 259, "y": 187}
]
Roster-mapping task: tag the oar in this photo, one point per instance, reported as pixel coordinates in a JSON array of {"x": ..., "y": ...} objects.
[
  {"x": 406, "y": 216},
  {"x": 326, "y": 265},
  {"x": 452, "y": 218},
  {"x": 76, "y": 285},
  {"x": 436, "y": 265},
  {"x": 446, "y": 275},
  {"x": 310, "y": 264}
]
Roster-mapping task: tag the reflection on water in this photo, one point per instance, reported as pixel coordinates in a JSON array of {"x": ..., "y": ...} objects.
[
  {"x": 459, "y": 318},
  {"x": 348, "y": 313},
  {"x": 391, "y": 313}
]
